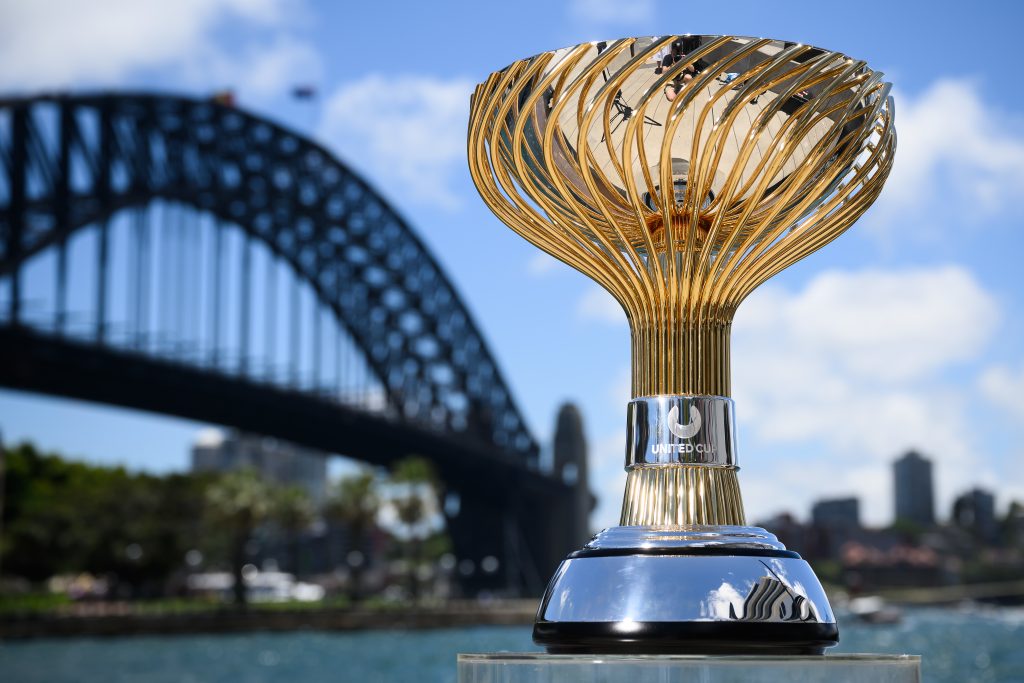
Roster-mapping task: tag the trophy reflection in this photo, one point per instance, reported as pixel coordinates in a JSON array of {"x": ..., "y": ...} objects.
[{"x": 680, "y": 173}]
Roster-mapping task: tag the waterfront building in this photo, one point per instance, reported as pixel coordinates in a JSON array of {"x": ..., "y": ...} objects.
[
  {"x": 789, "y": 531},
  {"x": 975, "y": 511},
  {"x": 834, "y": 523},
  {"x": 868, "y": 567},
  {"x": 836, "y": 513},
  {"x": 278, "y": 461},
  {"x": 914, "y": 489}
]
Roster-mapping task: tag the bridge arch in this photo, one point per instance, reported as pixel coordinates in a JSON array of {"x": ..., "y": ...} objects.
[
  {"x": 74, "y": 160},
  {"x": 72, "y": 166}
]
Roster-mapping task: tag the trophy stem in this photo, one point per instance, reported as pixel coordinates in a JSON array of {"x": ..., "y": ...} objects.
[
  {"x": 680, "y": 356},
  {"x": 682, "y": 495},
  {"x": 681, "y": 462}
]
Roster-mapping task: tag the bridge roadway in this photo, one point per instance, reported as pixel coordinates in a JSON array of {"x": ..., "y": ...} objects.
[{"x": 506, "y": 510}]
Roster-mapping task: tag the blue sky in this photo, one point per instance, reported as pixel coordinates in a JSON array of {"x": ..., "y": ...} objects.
[{"x": 906, "y": 332}]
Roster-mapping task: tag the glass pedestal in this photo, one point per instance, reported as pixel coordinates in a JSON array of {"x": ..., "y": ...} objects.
[{"x": 544, "y": 668}]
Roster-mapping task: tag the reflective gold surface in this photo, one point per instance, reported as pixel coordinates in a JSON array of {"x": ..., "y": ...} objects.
[
  {"x": 571, "y": 148},
  {"x": 682, "y": 495},
  {"x": 771, "y": 150}
]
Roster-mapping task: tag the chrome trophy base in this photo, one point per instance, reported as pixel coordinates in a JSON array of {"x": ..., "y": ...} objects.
[{"x": 690, "y": 590}]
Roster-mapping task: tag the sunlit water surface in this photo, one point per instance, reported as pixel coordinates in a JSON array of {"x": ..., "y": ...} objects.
[{"x": 957, "y": 646}]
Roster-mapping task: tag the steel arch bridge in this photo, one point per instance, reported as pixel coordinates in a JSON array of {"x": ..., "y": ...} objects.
[{"x": 188, "y": 258}]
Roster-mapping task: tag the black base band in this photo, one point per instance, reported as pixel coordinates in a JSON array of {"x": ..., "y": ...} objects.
[
  {"x": 696, "y": 637},
  {"x": 710, "y": 550}
]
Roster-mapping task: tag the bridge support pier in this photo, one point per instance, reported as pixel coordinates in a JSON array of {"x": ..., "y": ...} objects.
[{"x": 528, "y": 532}]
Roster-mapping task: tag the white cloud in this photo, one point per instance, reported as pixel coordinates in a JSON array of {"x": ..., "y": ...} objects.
[
  {"x": 62, "y": 43},
  {"x": 1005, "y": 388},
  {"x": 722, "y": 603},
  {"x": 611, "y": 11},
  {"x": 260, "y": 70},
  {"x": 1010, "y": 485},
  {"x": 542, "y": 264},
  {"x": 282, "y": 63},
  {"x": 853, "y": 364},
  {"x": 954, "y": 143},
  {"x": 883, "y": 324},
  {"x": 408, "y": 131},
  {"x": 851, "y": 369},
  {"x": 771, "y": 485},
  {"x": 608, "y": 476},
  {"x": 599, "y": 305}
]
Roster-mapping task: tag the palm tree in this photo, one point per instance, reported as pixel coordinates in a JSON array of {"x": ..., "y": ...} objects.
[
  {"x": 237, "y": 502},
  {"x": 414, "y": 498},
  {"x": 354, "y": 502},
  {"x": 293, "y": 511}
]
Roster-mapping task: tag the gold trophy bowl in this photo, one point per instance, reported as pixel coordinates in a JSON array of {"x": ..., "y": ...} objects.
[{"x": 681, "y": 172}]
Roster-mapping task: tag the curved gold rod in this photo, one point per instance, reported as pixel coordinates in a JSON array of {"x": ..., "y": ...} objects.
[{"x": 680, "y": 192}]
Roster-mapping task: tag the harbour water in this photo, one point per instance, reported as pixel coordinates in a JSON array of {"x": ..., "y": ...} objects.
[{"x": 961, "y": 646}]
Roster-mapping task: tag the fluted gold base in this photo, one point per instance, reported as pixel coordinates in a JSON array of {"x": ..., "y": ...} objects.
[{"x": 682, "y": 495}]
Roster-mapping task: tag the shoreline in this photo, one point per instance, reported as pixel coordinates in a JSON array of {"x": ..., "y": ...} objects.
[
  {"x": 503, "y": 613},
  {"x": 127, "y": 619}
]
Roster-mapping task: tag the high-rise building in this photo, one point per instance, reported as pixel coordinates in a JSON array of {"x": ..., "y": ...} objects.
[
  {"x": 834, "y": 523},
  {"x": 570, "y": 463},
  {"x": 914, "y": 489},
  {"x": 836, "y": 513},
  {"x": 278, "y": 461},
  {"x": 975, "y": 511}
]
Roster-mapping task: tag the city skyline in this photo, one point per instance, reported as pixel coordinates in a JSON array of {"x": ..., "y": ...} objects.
[
  {"x": 904, "y": 334},
  {"x": 845, "y": 510}
]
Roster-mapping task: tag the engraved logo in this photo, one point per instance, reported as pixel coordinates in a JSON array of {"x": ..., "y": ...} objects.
[{"x": 686, "y": 431}]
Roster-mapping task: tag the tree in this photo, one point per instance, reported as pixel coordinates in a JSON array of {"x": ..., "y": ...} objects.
[
  {"x": 908, "y": 530},
  {"x": 414, "y": 489},
  {"x": 43, "y": 508},
  {"x": 293, "y": 511},
  {"x": 68, "y": 517},
  {"x": 354, "y": 502},
  {"x": 237, "y": 502}
]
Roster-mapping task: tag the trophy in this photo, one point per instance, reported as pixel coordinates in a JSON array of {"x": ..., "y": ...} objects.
[{"x": 681, "y": 172}]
